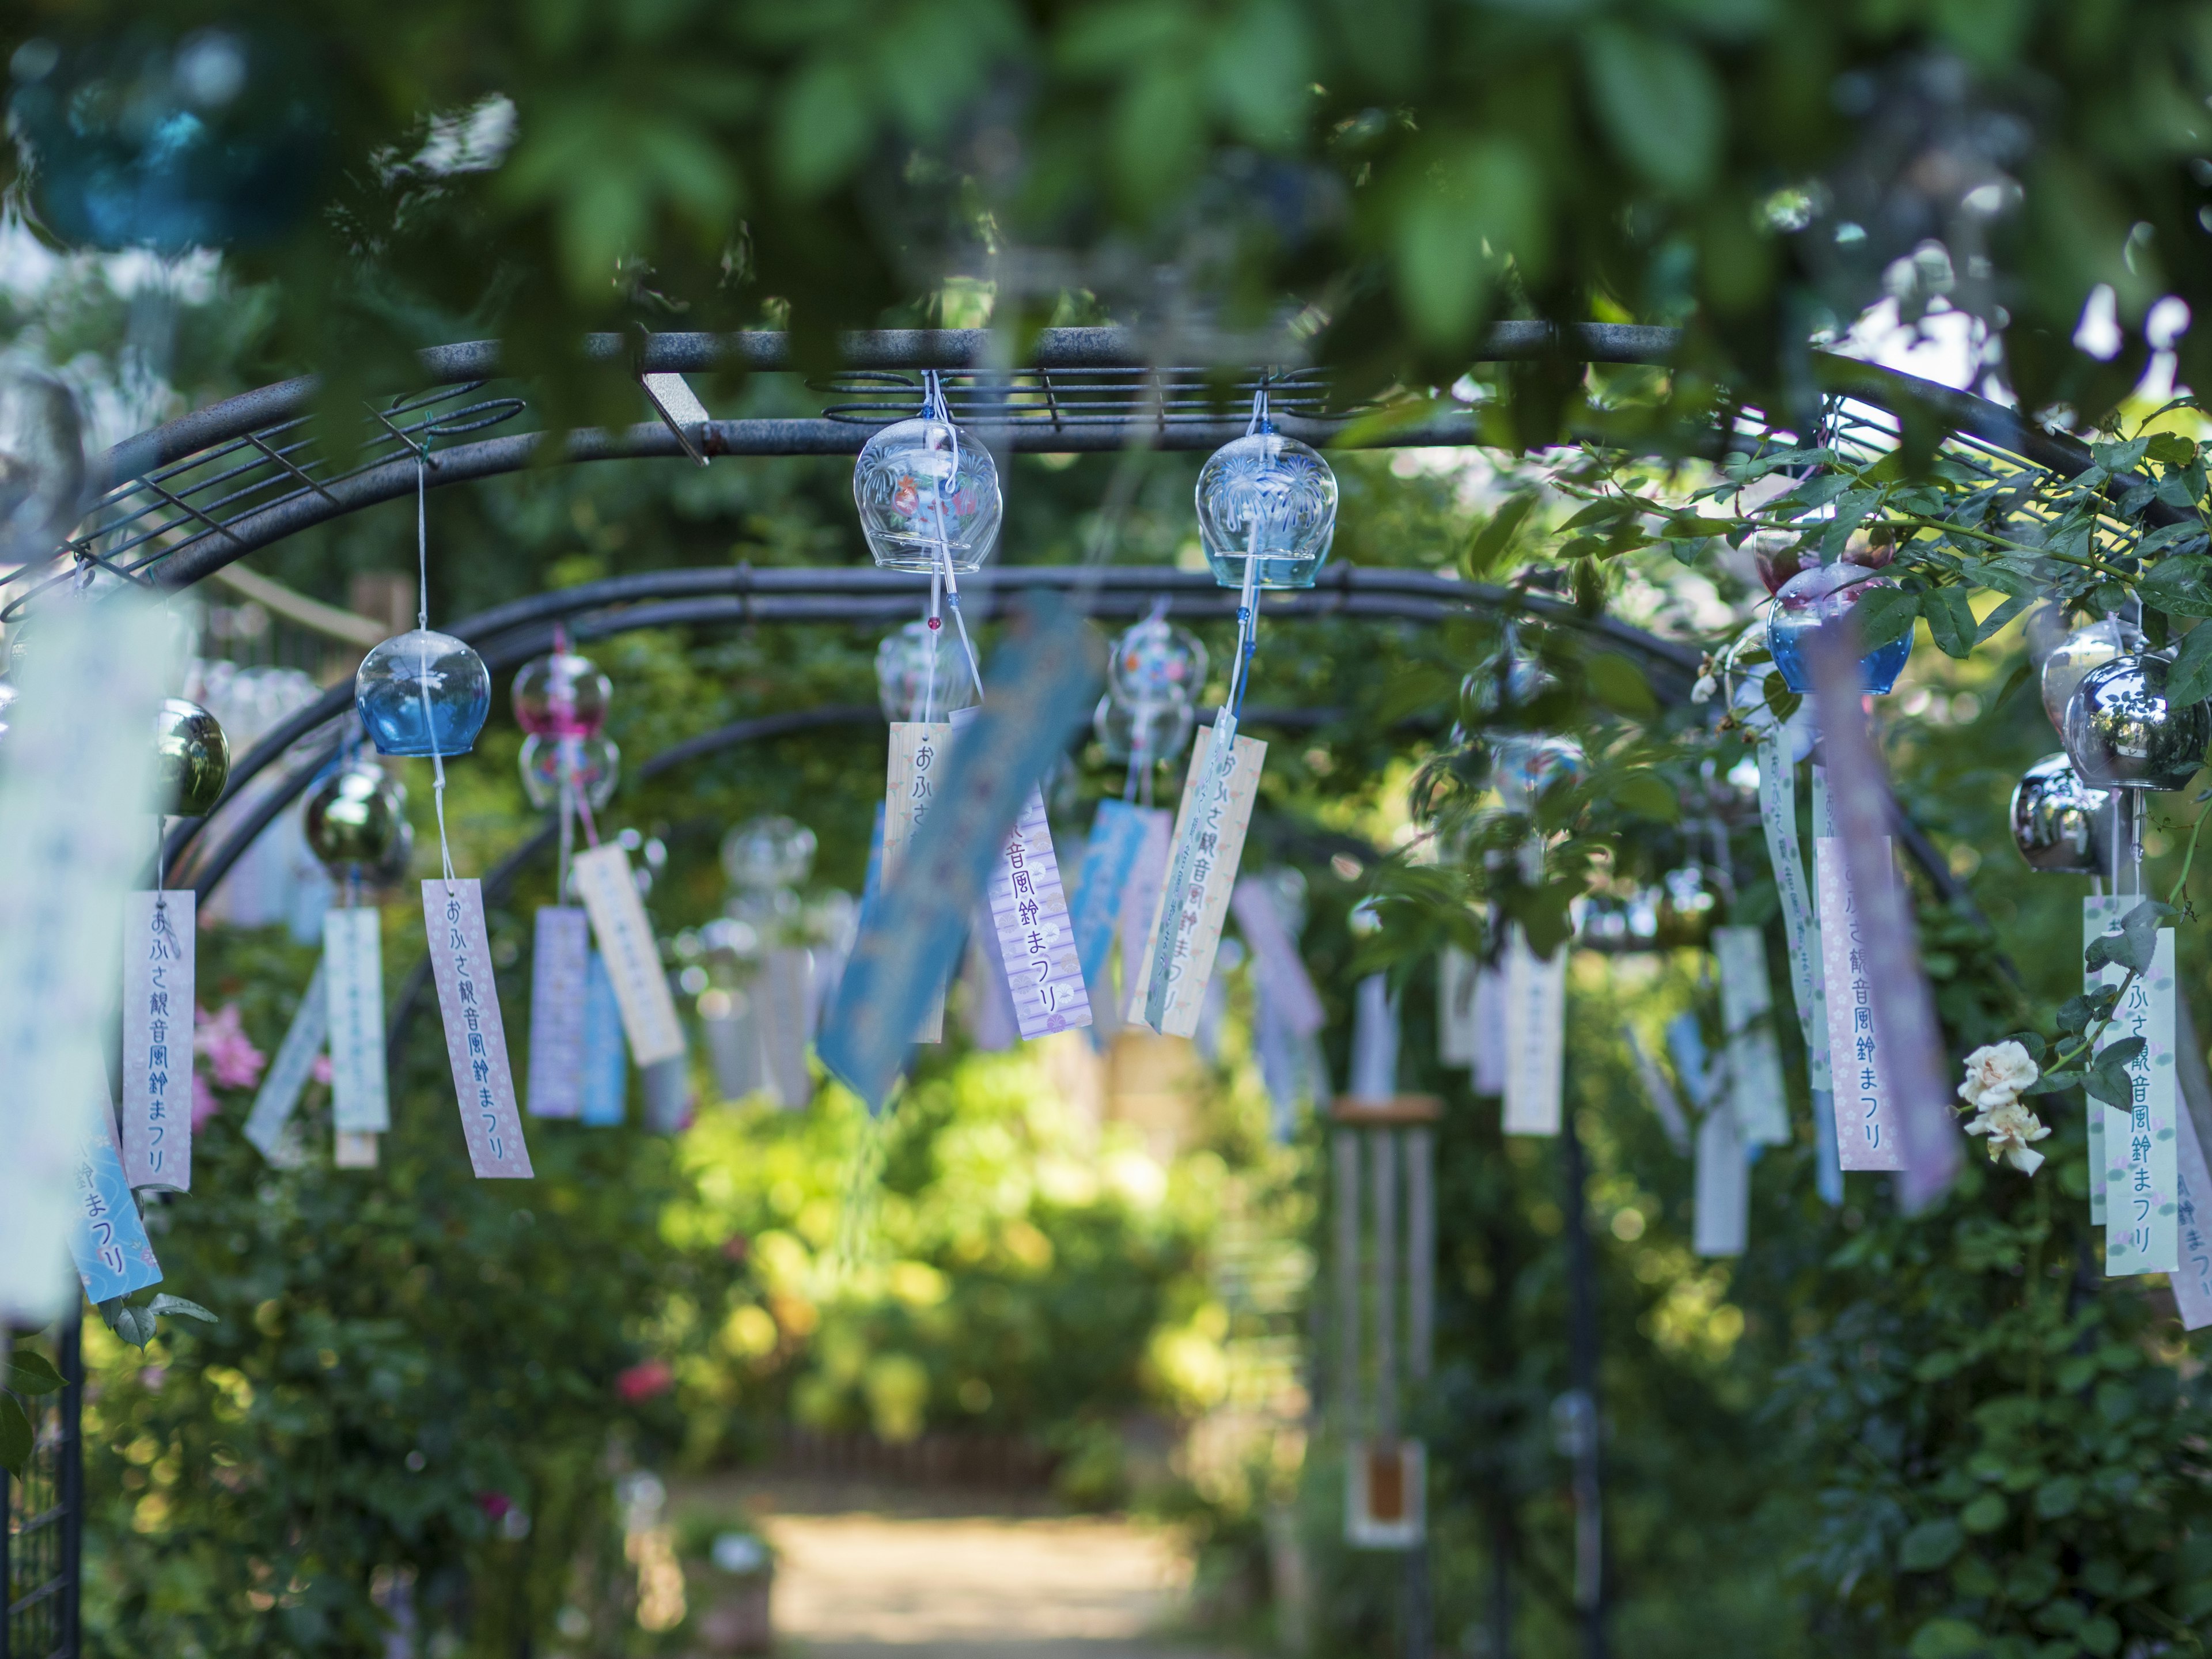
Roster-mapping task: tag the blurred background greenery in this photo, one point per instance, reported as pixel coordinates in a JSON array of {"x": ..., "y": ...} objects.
[{"x": 423, "y": 1392}]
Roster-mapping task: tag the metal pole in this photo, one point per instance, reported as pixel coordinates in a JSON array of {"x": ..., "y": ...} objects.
[
  {"x": 1582, "y": 1362},
  {"x": 70, "y": 1478}
]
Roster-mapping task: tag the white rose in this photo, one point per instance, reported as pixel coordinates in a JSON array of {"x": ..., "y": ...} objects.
[
  {"x": 1997, "y": 1073},
  {"x": 2011, "y": 1127}
]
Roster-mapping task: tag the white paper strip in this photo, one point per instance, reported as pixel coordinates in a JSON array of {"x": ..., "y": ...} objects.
[
  {"x": 606, "y": 1061},
  {"x": 1193, "y": 914},
  {"x": 269, "y": 1125},
  {"x": 560, "y": 963},
  {"x": 1488, "y": 1075},
  {"x": 2140, "y": 1143},
  {"x": 1723, "y": 1185},
  {"x": 2192, "y": 1280},
  {"x": 1867, "y": 1135},
  {"x": 351, "y": 1150},
  {"x": 917, "y": 760},
  {"x": 1036, "y": 945},
  {"x": 1140, "y": 904},
  {"x": 1777, "y": 813},
  {"x": 1372, "y": 1076},
  {"x": 157, "y": 1041},
  {"x": 353, "y": 979},
  {"x": 625, "y": 937},
  {"x": 781, "y": 995},
  {"x": 1659, "y": 1091},
  {"x": 1754, "y": 1062},
  {"x": 476, "y": 1036},
  {"x": 74, "y": 794},
  {"x": 1456, "y": 1038},
  {"x": 1535, "y": 1008},
  {"x": 2099, "y": 915},
  {"x": 733, "y": 1055}
]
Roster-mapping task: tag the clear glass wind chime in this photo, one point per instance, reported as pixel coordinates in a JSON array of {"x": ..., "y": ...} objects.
[
  {"x": 928, "y": 501},
  {"x": 1267, "y": 515}
]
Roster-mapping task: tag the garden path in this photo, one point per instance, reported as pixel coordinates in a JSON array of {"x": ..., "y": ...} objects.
[{"x": 888, "y": 1582}]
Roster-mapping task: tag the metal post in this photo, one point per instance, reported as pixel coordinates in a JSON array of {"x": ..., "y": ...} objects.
[
  {"x": 1582, "y": 1362},
  {"x": 69, "y": 1479}
]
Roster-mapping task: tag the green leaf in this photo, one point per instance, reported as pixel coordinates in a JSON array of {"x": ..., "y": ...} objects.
[
  {"x": 165, "y": 1303},
  {"x": 823, "y": 128},
  {"x": 2100, "y": 1635},
  {"x": 136, "y": 1325},
  {"x": 1928, "y": 1546},
  {"x": 31, "y": 1373},
  {"x": 1468, "y": 211},
  {"x": 2057, "y": 1497},
  {"x": 1620, "y": 685},
  {"x": 1646, "y": 793},
  {"x": 1884, "y": 615},
  {"x": 1492, "y": 540},
  {"x": 1985, "y": 1513},
  {"x": 15, "y": 1437},
  {"x": 2180, "y": 586},
  {"x": 1950, "y": 620},
  {"x": 2189, "y": 680},
  {"x": 1947, "y": 1639},
  {"x": 1658, "y": 102}
]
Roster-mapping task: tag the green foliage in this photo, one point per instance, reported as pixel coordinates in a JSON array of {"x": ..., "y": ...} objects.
[{"x": 975, "y": 1262}]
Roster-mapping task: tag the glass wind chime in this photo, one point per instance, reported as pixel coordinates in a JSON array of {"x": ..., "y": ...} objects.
[
  {"x": 2081, "y": 812},
  {"x": 425, "y": 695},
  {"x": 1153, "y": 677},
  {"x": 767, "y": 1017},
  {"x": 355, "y": 822},
  {"x": 1855, "y": 1123},
  {"x": 1267, "y": 515},
  {"x": 928, "y": 500},
  {"x": 191, "y": 763}
]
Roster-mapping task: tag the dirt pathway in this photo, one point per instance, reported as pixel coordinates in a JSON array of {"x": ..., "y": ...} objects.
[{"x": 877, "y": 1586}]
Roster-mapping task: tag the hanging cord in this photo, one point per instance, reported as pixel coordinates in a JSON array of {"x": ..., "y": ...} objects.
[
  {"x": 934, "y": 616},
  {"x": 422, "y": 678},
  {"x": 934, "y": 408},
  {"x": 1248, "y": 600}
]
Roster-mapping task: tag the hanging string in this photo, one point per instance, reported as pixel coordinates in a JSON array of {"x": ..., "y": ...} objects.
[
  {"x": 936, "y": 622},
  {"x": 422, "y": 677},
  {"x": 934, "y": 408},
  {"x": 1248, "y": 599}
]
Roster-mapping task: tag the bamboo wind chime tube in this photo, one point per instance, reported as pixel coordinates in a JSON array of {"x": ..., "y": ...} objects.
[
  {"x": 1383, "y": 1167},
  {"x": 1345, "y": 1155}
]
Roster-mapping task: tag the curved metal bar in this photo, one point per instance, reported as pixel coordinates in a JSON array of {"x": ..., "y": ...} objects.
[{"x": 509, "y": 634}]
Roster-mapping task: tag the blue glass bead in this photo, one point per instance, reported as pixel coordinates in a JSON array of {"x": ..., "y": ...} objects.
[
  {"x": 422, "y": 693},
  {"x": 1821, "y": 594}
]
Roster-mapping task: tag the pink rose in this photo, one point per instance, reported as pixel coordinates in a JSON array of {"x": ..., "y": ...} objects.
[
  {"x": 232, "y": 1060},
  {"x": 642, "y": 1382},
  {"x": 494, "y": 1505},
  {"x": 204, "y": 1104}
]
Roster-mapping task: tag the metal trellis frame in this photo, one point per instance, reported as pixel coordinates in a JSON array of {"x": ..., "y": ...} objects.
[{"x": 173, "y": 505}]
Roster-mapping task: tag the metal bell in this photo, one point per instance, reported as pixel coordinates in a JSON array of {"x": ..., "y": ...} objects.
[
  {"x": 192, "y": 759},
  {"x": 2061, "y": 825},
  {"x": 2123, "y": 732},
  {"x": 357, "y": 816}
]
